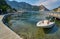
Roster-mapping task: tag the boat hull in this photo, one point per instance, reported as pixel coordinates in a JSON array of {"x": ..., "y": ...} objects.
[{"x": 39, "y": 24}]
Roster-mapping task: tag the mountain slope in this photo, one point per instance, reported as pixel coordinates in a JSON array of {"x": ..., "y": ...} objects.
[
  {"x": 56, "y": 9},
  {"x": 26, "y": 7},
  {"x": 43, "y": 8},
  {"x": 19, "y": 6},
  {"x": 4, "y": 6},
  {"x": 22, "y": 6}
]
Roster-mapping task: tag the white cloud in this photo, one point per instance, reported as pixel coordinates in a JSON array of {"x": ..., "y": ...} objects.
[
  {"x": 39, "y": 2},
  {"x": 51, "y": 4}
]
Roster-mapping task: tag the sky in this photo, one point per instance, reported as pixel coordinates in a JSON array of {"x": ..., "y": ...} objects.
[{"x": 50, "y": 4}]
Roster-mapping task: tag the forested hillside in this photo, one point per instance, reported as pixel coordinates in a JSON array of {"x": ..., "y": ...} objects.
[{"x": 4, "y": 7}]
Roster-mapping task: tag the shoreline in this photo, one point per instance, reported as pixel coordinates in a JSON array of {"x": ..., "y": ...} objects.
[{"x": 5, "y": 32}]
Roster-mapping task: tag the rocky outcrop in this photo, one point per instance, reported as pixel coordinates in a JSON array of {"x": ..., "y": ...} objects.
[
  {"x": 43, "y": 8},
  {"x": 56, "y": 9}
]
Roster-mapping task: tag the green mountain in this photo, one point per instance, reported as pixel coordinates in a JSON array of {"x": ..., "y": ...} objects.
[
  {"x": 4, "y": 7},
  {"x": 22, "y": 6}
]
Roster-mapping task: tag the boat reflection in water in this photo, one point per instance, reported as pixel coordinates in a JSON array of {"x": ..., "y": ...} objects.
[
  {"x": 49, "y": 27},
  {"x": 51, "y": 30}
]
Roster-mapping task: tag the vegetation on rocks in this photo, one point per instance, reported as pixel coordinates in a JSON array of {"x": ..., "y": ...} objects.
[{"x": 4, "y": 7}]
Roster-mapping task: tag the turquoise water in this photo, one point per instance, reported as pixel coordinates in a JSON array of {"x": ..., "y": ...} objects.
[{"x": 25, "y": 25}]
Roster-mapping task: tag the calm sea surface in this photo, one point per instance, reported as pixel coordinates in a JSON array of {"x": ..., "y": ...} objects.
[{"x": 25, "y": 25}]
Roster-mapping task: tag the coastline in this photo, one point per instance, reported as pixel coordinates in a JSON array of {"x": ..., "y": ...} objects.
[{"x": 5, "y": 32}]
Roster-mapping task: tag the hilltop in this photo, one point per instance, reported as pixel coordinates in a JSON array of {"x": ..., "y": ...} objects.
[{"x": 26, "y": 6}]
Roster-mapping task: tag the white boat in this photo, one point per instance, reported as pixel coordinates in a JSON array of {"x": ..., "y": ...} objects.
[{"x": 45, "y": 24}]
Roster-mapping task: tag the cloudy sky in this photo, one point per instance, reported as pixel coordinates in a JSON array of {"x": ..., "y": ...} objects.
[{"x": 50, "y": 4}]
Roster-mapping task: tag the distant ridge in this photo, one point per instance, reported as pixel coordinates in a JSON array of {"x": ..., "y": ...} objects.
[
  {"x": 20, "y": 5},
  {"x": 25, "y": 6}
]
